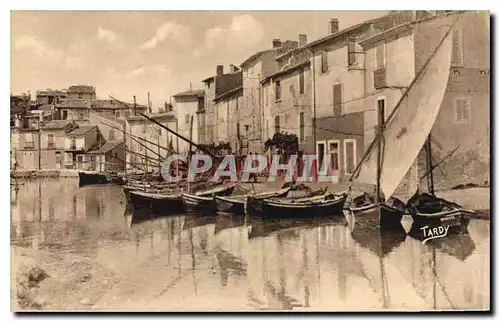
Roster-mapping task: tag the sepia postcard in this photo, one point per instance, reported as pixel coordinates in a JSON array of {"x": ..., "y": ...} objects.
[{"x": 251, "y": 161}]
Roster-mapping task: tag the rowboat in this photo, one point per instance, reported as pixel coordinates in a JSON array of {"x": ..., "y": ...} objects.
[
  {"x": 237, "y": 204},
  {"x": 310, "y": 207},
  {"x": 204, "y": 200},
  {"x": 86, "y": 178},
  {"x": 427, "y": 209}
]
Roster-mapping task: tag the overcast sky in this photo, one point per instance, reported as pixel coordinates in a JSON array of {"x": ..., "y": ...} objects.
[{"x": 132, "y": 53}]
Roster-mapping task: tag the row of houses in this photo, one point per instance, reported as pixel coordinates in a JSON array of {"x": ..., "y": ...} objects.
[
  {"x": 72, "y": 129},
  {"x": 328, "y": 91}
]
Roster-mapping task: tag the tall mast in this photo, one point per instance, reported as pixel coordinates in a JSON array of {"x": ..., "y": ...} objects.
[{"x": 430, "y": 178}]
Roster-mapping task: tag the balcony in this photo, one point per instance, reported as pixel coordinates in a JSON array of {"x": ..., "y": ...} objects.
[
  {"x": 29, "y": 145},
  {"x": 379, "y": 78}
]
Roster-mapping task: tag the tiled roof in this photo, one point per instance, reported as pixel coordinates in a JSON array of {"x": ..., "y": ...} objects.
[
  {"x": 190, "y": 93},
  {"x": 82, "y": 129},
  {"x": 108, "y": 117},
  {"x": 56, "y": 125},
  {"x": 108, "y": 146}
]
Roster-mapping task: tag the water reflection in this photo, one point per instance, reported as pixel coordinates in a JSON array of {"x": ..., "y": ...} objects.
[{"x": 228, "y": 262}]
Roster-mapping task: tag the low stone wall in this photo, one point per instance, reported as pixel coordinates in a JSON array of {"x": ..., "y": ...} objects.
[{"x": 44, "y": 173}]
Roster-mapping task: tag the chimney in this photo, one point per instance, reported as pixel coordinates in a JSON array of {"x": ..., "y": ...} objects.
[
  {"x": 220, "y": 70},
  {"x": 276, "y": 43},
  {"x": 302, "y": 40},
  {"x": 233, "y": 69},
  {"x": 334, "y": 26}
]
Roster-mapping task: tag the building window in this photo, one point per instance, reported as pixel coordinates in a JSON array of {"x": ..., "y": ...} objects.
[
  {"x": 380, "y": 56},
  {"x": 351, "y": 52},
  {"x": 73, "y": 144},
  {"x": 380, "y": 111},
  {"x": 320, "y": 153},
  {"x": 324, "y": 61},
  {"x": 111, "y": 135},
  {"x": 277, "y": 124},
  {"x": 349, "y": 155},
  {"x": 333, "y": 149},
  {"x": 302, "y": 137},
  {"x": 278, "y": 90},
  {"x": 254, "y": 126},
  {"x": 117, "y": 113},
  {"x": 187, "y": 118},
  {"x": 301, "y": 82},
  {"x": 462, "y": 110},
  {"x": 337, "y": 99},
  {"x": 457, "y": 55},
  {"x": 50, "y": 141},
  {"x": 65, "y": 115},
  {"x": 126, "y": 113}
]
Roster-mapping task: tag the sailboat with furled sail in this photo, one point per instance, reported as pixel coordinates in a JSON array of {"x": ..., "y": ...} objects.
[{"x": 399, "y": 140}]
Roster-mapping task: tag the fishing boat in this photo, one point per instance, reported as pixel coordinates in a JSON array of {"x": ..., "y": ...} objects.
[
  {"x": 310, "y": 207},
  {"x": 400, "y": 137},
  {"x": 428, "y": 210},
  {"x": 158, "y": 203},
  {"x": 237, "y": 204},
  {"x": 86, "y": 178},
  {"x": 204, "y": 200}
]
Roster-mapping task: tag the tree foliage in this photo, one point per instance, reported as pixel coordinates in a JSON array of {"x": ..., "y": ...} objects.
[
  {"x": 217, "y": 149},
  {"x": 283, "y": 143}
]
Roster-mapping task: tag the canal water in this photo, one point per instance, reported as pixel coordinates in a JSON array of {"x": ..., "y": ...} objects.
[{"x": 185, "y": 263}]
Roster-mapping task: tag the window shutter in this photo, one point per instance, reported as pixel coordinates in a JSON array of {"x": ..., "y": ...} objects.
[
  {"x": 324, "y": 61},
  {"x": 351, "y": 55},
  {"x": 380, "y": 52},
  {"x": 337, "y": 99},
  {"x": 457, "y": 55}
]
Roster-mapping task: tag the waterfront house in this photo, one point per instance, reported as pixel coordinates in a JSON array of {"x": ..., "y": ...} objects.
[
  {"x": 227, "y": 106},
  {"x": 147, "y": 141},
  {"x": 256, "y": 68},
  {"x": 287, "y": 97},
  {"x": 340, "y": 87},
  {"x": 76, "y": 145},
  {"x": 395, "y": 56},
  {"x": 110, "y": 156},
  {"x": 215, "y": 86},
  {"x": 186, "y": 106}
]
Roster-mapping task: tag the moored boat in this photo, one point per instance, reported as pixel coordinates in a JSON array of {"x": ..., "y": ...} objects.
[
  {"x": 237, "y": 204},
  {"x": 86, "y": 178},
  {"x": 204, "y": 200},
  {"x": 312, "y": 207},
  {"x": 427, "y": 209},
  {"x": 366, "y": 211}
]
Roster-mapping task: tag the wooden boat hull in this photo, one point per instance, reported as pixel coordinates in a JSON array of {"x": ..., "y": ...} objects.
[
  {"x": 238, "y": 205},
  {"x": 434, "y": 211},
  {"x": 199, "y": 204},
  {"x": 86, "y": 179},
  {"x": 390, "y": 217},
  {"x": 458, "y": 219},
  {"x": 270, "y": 209},
  {"x": 230, "y": 205},
  {"x": 147, "y": 206},
  {"x": 205, "y": 201}
]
